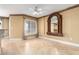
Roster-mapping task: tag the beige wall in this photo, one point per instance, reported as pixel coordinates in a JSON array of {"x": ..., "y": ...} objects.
[
  {"x": 70, "y": 25},
  {"x": 16, "y": 26},
  {"x": 41, "y": 26},
  {"x": 5, "y": 23}
]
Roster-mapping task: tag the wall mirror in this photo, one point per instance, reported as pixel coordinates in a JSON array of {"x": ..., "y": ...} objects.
[{"x": 55, "y": 24}]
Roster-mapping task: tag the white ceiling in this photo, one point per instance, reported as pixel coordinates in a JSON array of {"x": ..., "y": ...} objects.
[{"x": 6, "y": 9}]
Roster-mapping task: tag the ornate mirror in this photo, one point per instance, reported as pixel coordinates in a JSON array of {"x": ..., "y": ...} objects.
[{"x": 55, "y": 24}]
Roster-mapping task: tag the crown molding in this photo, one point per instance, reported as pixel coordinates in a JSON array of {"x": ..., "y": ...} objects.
[
  {"x": 69, "y": 8},
  {"x": 22, "y": 15},
  {"x": 3, "y": 17}
]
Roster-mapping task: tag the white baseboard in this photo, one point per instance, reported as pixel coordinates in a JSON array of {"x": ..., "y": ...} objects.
[{"x": 61, "y": 41}]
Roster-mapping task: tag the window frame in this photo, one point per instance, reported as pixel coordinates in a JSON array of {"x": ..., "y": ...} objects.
[
  {"x": 59, "y": 25},
  {"x": 31, "y": 20}
]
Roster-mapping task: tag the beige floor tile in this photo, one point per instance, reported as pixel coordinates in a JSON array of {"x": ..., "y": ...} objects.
[{"x": 36, "y": 46}]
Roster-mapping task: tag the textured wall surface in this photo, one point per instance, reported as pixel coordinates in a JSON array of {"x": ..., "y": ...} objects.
[
  {"x": 16, "y": 26},
  {"x": 70, "y": 25}
]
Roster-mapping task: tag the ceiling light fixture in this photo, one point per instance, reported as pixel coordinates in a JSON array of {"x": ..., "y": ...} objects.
[{"x": 37, "y": 11}]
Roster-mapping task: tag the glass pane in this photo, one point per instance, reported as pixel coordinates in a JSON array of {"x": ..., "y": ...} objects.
[
  {"x": 54, "y": 24},
  {"x": 0, "y": 24},
  {"x": 30, "y": 27}
]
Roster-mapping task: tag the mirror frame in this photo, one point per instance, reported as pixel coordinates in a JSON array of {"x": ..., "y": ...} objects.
[{"x": 59, "y": 25}]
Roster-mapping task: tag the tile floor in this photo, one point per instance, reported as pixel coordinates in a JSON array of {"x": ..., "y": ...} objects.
[{"x": 35, "y": 47}]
